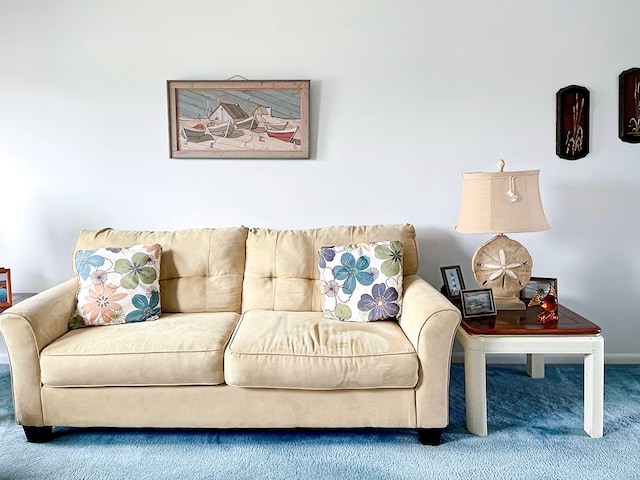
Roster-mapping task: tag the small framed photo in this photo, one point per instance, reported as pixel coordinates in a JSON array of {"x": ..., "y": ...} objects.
[
  {"x": 478, "y": 303},
  {"x": 5, "y": 288},
  {"x": 538, "y": 285},
  {"x": 453, "y": 281}
]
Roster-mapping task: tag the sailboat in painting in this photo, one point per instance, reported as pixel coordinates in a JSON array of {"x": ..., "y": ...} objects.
[
  {"x": 276, "y": 126},
  {"x": 223, "y": 129},
  {"x": 247, "y": 124},
  {"x": 192, "y": 133},
  {"x": 284, "y": 135}
]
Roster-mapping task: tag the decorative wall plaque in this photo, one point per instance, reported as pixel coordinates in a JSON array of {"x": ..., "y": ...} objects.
[
  {"x": 572, "y": 122},
  {"x": 629, "y": 109}
]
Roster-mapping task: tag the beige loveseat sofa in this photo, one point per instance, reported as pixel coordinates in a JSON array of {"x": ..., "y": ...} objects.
[{"x": 241, "y": 343}]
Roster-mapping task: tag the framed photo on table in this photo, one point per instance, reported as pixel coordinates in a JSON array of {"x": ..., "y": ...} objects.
[
  {"x": 478, "y": 303},
  {"x": 453, "y": 281},
  {"x": 5, "y": 288},
  {"x": 239, "y": 119},
  {"x": 538, "y": 285}
]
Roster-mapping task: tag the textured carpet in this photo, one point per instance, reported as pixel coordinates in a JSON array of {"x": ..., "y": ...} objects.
[{"x": 535, "y": 431}]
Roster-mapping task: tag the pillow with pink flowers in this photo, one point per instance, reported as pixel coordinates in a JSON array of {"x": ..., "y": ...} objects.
[{"x": 117, "y": 285}]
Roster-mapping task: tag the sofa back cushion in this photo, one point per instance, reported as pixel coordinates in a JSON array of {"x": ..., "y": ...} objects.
[
  {"x": 282, "y": 265},
  {"x": 201, "y": 269}
]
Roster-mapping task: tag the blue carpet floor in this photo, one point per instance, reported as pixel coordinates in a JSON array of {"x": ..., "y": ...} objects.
[{"x": 535, "y": 432}]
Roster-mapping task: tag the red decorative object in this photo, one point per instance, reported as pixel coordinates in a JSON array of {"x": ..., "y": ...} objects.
[
  {"x": 549, "y": 304},
  {"x": 284, "y": 135}
]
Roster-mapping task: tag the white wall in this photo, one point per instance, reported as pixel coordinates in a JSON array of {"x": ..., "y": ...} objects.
[{"x": 406, "y": 95}]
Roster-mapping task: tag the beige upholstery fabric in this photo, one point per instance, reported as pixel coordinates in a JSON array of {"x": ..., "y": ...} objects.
[
  {"x": 430, "y": 322},
  {"x": 27, "y": 328},
  {"x": 201, "y": 269},
  {"x": 228, "y": 407},
  {"x": 177, "y": 349},
  {"x": 282, "y": 265},
  {"x": 307, "y": 351}
]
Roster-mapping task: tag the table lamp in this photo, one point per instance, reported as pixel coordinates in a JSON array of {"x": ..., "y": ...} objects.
[{"x": 502, "y": 202}]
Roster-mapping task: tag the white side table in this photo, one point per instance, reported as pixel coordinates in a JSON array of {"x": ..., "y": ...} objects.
[{"x": 513, "y": 332}]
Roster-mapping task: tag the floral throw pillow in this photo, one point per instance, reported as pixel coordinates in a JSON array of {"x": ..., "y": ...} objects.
[
  {"x": 117, "y": 285},
  {"x": 361, "y": 282}
]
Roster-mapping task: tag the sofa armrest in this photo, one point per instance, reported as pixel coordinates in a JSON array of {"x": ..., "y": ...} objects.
[
  {"x": 430, "y": 322},
  {"x": 27, "y": 328}
]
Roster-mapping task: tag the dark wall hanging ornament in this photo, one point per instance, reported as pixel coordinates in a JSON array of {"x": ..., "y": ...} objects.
[
  {"x": 572, "y": 122},
  {"x": 629, "y": 109}
]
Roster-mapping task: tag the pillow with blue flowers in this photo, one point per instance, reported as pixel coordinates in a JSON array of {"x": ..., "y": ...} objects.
[
  {"x": 361, "y": 282},
  {"x": 117, "y": 285}
]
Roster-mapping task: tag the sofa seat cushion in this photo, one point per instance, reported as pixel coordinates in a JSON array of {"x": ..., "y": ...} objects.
[
  {"x": 304, "y": 350},
  {"x": 176, "y": 349}
]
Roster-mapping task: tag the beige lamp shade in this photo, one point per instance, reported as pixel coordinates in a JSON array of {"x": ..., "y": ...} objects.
[{"x": 501, "y": 202}]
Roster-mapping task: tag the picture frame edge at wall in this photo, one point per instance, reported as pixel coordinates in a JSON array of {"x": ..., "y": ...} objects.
[
  {"x": 7, "y": 281},
  {"x": 623, "y": 119}
]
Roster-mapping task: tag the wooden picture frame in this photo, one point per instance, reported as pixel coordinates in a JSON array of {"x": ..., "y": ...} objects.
[
  {"x": 452, "y": 280},
  {"x": 572, "y": 122},
  {"x": 6, "y": 300},
  {"x": 239, "y": 119},
  {"x": 535, "y": 284},
  {"x": 478, "y": 303},
  {"x": 629, "y": 106}
]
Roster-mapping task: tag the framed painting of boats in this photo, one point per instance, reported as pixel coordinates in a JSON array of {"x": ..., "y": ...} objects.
[{"x": 239, "y": 118}]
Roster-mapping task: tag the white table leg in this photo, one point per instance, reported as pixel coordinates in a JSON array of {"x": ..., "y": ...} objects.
[
  {"x": 594, "y": 390},
  {"x": 535, "y": 365},
  {"x": 475, "y": 381}
]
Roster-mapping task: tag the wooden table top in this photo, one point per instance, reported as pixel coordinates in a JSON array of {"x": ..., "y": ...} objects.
[{"x": 524, "y": 322}]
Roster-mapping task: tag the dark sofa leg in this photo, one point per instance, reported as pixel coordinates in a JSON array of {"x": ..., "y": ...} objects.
[
  {"x": 38, "y": 434},
  {"x": 430, "y": 436}
]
